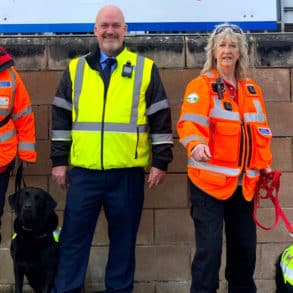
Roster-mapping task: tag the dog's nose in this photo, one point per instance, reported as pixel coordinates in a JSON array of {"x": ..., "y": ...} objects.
[{"x": 27, "y": 206}]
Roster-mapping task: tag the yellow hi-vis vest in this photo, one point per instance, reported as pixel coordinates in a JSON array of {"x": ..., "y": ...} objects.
[
  {"x": 287, "y": 265},
  {"x": 110, "y": 129}
]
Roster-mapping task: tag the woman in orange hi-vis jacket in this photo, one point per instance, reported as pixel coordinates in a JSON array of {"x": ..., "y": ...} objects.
[
  {"x": 17, "y": 128},
  {"x": 223, "y": 126}
]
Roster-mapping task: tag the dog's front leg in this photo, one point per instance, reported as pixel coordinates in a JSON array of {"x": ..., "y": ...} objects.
[{"x": 18, "y": 276}]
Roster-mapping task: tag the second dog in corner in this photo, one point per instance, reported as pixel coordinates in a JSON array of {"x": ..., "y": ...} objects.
[
  {"x": 284, "y": 271},
  {"x": 34, "y": 249}
]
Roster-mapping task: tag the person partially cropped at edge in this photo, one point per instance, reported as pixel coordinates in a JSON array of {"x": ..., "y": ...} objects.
[
  {"x": 17, "y": 124},
  {"x": 107, "y": 132},
  {"x": 224, "y": 127}
]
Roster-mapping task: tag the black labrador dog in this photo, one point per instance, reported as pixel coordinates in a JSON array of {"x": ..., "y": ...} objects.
[
  {"x": 283, "y": 285},
  {"x": 34, "y": 247}
]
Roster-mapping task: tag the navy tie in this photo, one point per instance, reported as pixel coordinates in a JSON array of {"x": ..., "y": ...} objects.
[{"x": 107, "y": 70}]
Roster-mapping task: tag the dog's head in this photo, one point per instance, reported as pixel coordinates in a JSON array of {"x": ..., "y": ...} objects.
[{"x": 32, "y": 205}]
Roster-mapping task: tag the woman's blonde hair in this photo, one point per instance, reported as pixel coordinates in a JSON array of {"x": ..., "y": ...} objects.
[{"x": 221, "y": 32}]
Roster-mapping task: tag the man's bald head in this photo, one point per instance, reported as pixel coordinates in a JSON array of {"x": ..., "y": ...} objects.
[{"x": 110, "y": 29}]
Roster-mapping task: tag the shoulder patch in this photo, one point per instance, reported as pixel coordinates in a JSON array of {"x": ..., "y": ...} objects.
[
  {"x": 264, "y": 131},
  {"x": 192, "y": 98},
  {"x": 251, "y": 89}
]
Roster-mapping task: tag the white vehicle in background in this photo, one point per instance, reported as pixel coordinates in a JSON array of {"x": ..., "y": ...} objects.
[{"x": 55, "y": 16}]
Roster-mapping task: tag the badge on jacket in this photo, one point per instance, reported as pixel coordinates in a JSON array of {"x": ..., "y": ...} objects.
[
  {"x": 192, "y": 98},
  {"x": 264, "y": 131}
]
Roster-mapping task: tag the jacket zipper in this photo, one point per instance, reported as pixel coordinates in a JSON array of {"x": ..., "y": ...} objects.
[
  {"x": 137, "y": 139},
  {"x": 249, "y": 155},
  {"x": 242, "y": 148},
  {"x": 103, "y": 127},
  {"x": 245, "y": 147}
]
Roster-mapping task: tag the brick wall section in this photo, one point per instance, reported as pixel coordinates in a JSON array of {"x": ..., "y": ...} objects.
[{"x": 166, "y": 239}]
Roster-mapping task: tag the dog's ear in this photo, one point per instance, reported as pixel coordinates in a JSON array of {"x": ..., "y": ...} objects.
[{"x": 12, "y": 199}]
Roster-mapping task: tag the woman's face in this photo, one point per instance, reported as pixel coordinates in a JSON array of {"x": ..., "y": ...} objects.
[{"x": 227, "y": 53}]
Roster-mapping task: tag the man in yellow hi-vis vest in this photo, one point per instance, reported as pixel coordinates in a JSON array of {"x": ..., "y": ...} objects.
[{"x": 110, "y": 115}]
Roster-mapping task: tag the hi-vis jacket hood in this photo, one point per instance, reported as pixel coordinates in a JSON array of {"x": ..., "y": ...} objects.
[
  {"x": 238, "y": 136},
  {"x": 17, "y": 131}
]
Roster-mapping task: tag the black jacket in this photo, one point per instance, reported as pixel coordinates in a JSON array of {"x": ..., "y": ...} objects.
[{"x": 159, "y": 122}]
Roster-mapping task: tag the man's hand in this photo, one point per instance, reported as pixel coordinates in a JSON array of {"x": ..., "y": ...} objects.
[
  {"x": 59, "y": 176},
  {"x": 156, "y": 177}
]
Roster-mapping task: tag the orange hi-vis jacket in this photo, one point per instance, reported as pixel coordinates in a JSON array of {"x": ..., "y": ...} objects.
[
  {"x": 237, "y": 134},
  {"x": 17, "y": 128}
]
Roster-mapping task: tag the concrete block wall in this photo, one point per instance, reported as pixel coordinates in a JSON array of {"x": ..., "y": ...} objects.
[{"x": 165, "y": 245}]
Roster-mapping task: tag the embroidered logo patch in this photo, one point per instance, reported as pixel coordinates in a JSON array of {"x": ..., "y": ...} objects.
[
  {"x": 264, "y": 131},
  {"x": 192, "y": 98}
]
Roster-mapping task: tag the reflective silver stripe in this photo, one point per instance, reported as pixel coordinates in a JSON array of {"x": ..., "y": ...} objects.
[
  {"x": 7, "y": 135},
  {"x": 157, "y": 107},
  {"x": 112, "y": 127},
  {"x": 219, "y": 112},
  {"x": 26, "y": 146},
  {"x": 78, "y": 83},
  {"x": 162, "y": 138},
  {"x": 252, "y": 173},
  {"x": 136, "y": 91},
  {"x": 13, "y": 77},
  {"x": 196, "y": 118},
  {"x": 62, "y": 103},
  {"x": 24, "y": 112},
  {"x": 255, "y": 117},
  {"x": 219, "y": 169},
  {"x": 62, "y": 135},
  {"x": 119, "y": 127},
  {"x": 188, "y": 139},
  {"x": 287, "y": 271},
  {"x": 6, "y": 112}
]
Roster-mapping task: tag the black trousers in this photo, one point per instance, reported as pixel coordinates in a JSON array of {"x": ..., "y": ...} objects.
[
  {"x": 121, "y": 194},
  {"x": 4, "y": 179},
  {"x": 209, "y": 214}
]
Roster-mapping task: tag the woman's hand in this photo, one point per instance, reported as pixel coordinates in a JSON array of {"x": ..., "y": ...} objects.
[
  {"x": 201, "y": 153},
  {"x": 267, "y": 170}
]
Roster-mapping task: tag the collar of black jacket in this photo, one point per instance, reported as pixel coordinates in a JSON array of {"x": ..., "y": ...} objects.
[{"x": 93, "y": 58}]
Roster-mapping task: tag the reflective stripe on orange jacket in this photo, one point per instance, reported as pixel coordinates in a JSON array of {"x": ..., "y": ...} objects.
[
  {"x": 238, "y": 135},
  {"x": 17, "y": 136}
]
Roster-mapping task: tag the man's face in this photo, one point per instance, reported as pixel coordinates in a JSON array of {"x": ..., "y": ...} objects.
[{"x": 110, "y": 29}]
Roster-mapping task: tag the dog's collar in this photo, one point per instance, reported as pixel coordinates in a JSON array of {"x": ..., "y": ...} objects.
[
  {"x": 26, "y": 229},
  {"x": 30, "y": 230},
  {"x": 55, "y": 234},
  {"x": 43, "y": 236},
  {"x": 38, "y": 237}
]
